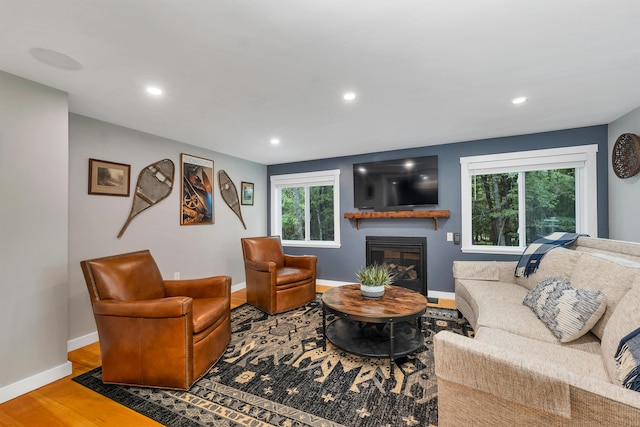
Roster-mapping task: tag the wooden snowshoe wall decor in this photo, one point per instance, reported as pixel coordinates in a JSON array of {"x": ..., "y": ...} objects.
[
  {"x": 154, "y": 184},
  {"x": 229, "y": 194}
]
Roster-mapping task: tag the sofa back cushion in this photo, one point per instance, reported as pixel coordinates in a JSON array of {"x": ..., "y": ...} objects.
[
  {"x": 558, "y": 262},
  {"x": 611, "y": 275},
  {"x": 622, "y": 321},
  {"x": 616, "y": 248}
]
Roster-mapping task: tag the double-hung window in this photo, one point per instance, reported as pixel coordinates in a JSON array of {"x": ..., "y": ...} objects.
[
  {"x": 305, "y": 208},
  {"x": 511, "y": 199}
]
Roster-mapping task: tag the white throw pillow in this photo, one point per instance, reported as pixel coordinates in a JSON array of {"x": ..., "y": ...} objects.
[
  {"x": 537, "y": 297},
  {"x": 568, "y": 313}
]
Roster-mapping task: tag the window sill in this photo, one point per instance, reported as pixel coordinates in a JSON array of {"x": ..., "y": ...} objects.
[
  {"x": 300, "y": 244},
  {"x": 495, "y": 250}
]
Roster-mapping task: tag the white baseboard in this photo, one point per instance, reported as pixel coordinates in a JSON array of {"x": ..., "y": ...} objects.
[
  {"x": 442, "y": 295},
  {"x": 238, "y": 286},
  {"x": 82, "y": 341},
  {"x": 31, "y": 383},
  {"x": 432, "y": 294},
  {"x": 334, "y": 283}
]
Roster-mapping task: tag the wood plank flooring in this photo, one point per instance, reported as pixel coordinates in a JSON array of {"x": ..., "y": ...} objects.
[{"x": 65, "y": 403}]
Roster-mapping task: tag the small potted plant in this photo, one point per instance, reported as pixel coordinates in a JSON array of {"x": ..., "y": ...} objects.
[{"x": 373, "y": 279}]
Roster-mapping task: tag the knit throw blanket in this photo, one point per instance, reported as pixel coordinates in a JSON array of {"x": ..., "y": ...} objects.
[
  {"x": 530, "y": 259},
  {"x": 628, "y": 358}
]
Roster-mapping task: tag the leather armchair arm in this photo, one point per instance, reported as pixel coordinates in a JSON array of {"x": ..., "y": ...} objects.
[
  {"x": 267, "y": 267},
  {"x": 155, "y": 309},
  {"x": 209, "y": 287},
  {"x": 301, "y": 261}
]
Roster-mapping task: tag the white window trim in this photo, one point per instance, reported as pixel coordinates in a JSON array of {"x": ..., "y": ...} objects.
[
  {"x": 328, "y": 177},
  {"x": 582, "y": 157}
]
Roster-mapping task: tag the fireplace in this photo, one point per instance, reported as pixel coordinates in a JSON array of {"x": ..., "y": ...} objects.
[{"x": 406, "y": 256}]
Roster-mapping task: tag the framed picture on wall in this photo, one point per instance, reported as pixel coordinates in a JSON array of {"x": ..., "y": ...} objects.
[
  {"x": 109, "y": 178},
  {"x": 197, "y": 190},
  {"x": 246, "y": 189}
]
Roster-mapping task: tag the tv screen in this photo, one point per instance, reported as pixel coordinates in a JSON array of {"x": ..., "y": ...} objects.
[{"x": 396, "y": 183}]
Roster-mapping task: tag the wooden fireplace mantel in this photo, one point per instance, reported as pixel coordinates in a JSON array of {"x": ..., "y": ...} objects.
[{"x": 398, "y": 214}]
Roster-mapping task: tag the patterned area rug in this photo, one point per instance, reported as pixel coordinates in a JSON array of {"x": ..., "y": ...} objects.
[{"x": 275, "y": 373}]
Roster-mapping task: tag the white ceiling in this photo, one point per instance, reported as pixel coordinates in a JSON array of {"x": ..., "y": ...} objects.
[{"x": 238, "y": 72}]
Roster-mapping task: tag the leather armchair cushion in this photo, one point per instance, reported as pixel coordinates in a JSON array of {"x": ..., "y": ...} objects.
[
  {"x": 288, "y": 275},
  {"x": 207, "y": 311}
]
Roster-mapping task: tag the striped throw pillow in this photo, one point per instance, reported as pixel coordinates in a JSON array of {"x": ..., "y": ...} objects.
[{"x": 568, "y": 313}]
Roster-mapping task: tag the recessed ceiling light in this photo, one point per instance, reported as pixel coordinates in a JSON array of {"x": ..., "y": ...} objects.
[
  {"x": 55, "y": 59},
  {"x": 519, "y": 100},
  {"x": 275, "y": 141},
  {"x": 349, "y": 96},
  {"x": 154, "y": 90}
]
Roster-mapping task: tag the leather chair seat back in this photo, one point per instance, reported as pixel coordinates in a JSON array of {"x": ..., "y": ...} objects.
[
  {"x": 264, "y": 249},
  {"x": 135, "y": 277}
]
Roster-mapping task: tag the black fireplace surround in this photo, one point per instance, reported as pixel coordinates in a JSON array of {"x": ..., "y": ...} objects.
[{"x": 406, "y": 256}]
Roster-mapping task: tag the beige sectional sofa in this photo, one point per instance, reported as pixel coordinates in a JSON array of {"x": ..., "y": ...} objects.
[{"x": 515, "y": 372}]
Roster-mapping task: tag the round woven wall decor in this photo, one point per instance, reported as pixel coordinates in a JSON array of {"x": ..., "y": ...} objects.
[{"x": 625, "y": 157}]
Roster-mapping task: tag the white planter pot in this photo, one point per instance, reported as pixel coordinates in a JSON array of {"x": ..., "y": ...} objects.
[{"x": 372, "y": 292}]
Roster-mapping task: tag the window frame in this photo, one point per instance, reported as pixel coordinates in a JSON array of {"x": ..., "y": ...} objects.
[
  {"x": 306, "y": 180},
  {"x": 582, "y": 157}
]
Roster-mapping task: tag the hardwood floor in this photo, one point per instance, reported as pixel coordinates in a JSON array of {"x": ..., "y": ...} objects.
[{"x": 65, "y": 403}]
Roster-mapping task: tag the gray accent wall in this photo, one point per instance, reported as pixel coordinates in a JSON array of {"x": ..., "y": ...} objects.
[
  {"x": 193, "y": 251},
  {"x": 341, "y": 264},
  {"x": 49, "y": 223},
  {"x": 624, "y": 194},
  {"x": 33, "y": 234}
]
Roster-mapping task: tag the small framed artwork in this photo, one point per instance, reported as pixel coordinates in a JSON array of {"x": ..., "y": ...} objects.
[
  {"x": 197, "y": 190},
  {"x": 246, "y": 189},
  {"x": 109, "y": 178}
]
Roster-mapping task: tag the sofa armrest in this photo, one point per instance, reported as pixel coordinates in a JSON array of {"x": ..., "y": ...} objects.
[
  {"x": 150, "y": 309},
  {"x": 546, "y": 388},
  {"x": 502, "y": 373},
  {"x": 485, "y": 270},
  {"x": 209, "y": 287}
]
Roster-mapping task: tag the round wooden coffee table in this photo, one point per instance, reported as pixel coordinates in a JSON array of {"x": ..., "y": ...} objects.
[{"x": 385, "y": 327}]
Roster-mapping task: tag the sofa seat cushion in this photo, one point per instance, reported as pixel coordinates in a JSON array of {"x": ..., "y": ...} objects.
[
  {"x": 573, "y": 360},
  {"x": 499, "y": 305}
]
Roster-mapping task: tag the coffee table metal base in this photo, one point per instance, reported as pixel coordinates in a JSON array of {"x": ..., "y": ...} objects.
[{"x": 375, "y": 339}]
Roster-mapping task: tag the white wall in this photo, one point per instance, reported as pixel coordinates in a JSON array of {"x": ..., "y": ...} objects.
[
  {"x": 624, "y": 194},
  {"x": 95, "y": 220},
  {"x": 33, "y": 235}
]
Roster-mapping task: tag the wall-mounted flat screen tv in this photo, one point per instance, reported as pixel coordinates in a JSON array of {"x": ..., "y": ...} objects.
[{"x": 396, "y": 183}]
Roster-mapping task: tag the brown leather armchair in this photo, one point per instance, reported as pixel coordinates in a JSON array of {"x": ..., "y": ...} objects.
[
  {"x": 277, "y": 282},
  {"x": 155, "y": 332}
]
